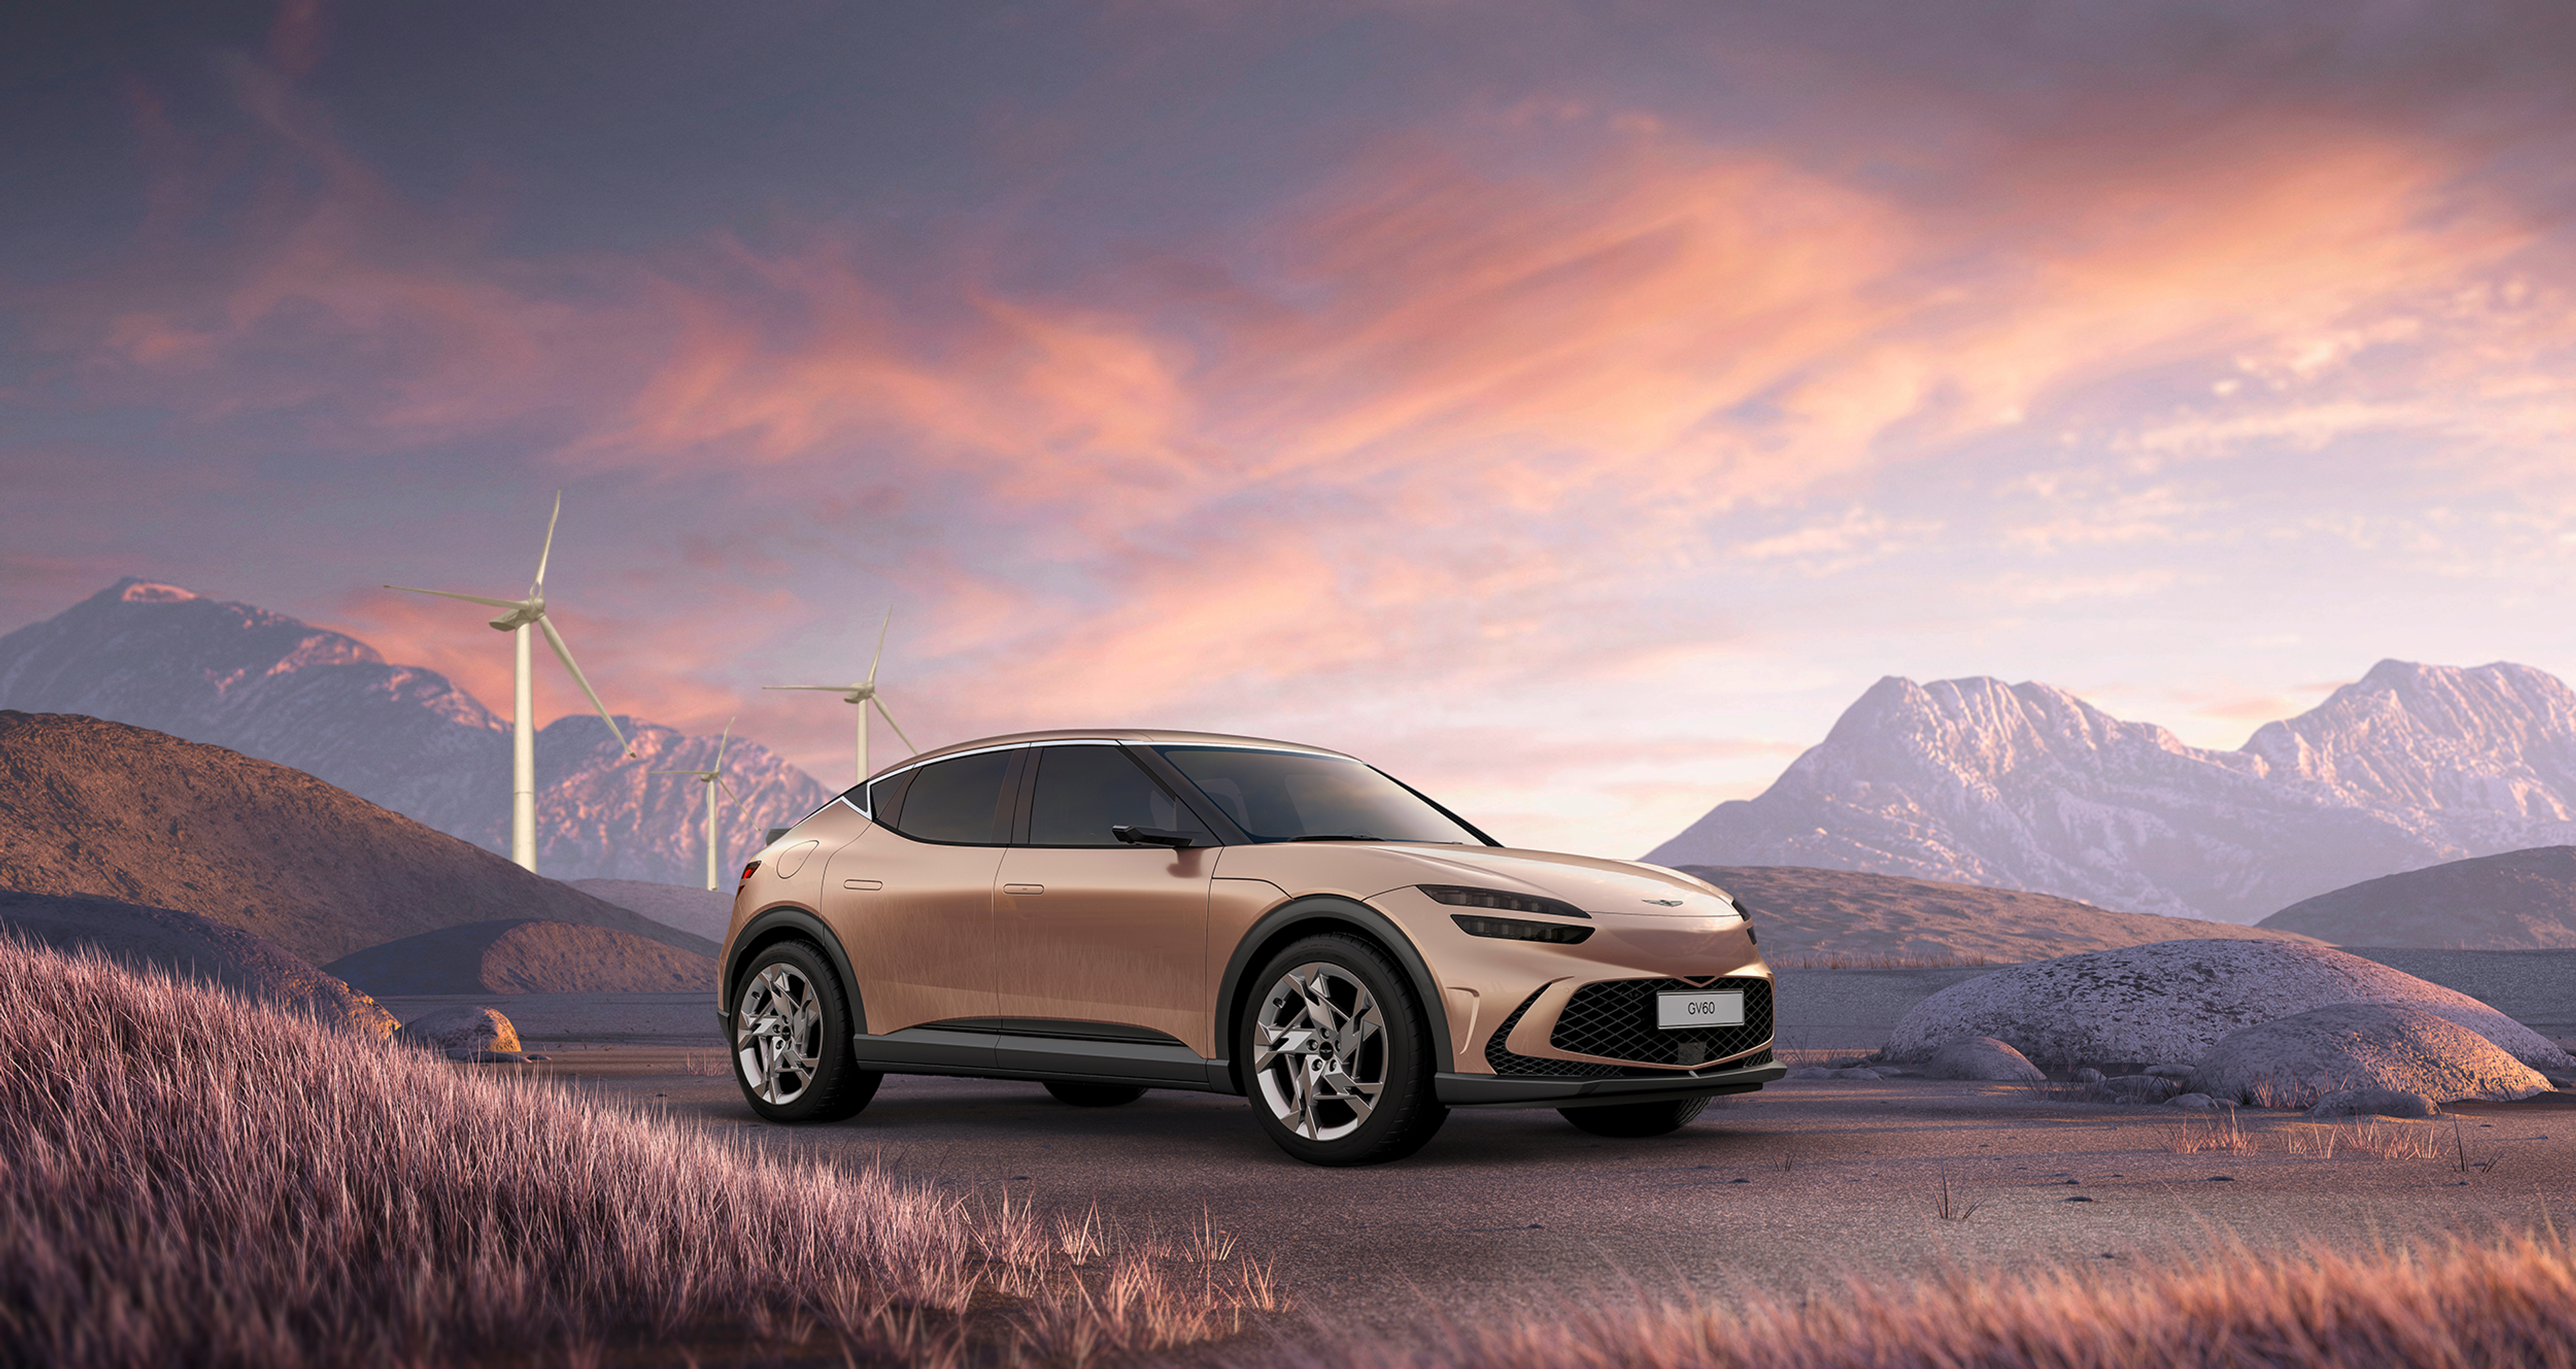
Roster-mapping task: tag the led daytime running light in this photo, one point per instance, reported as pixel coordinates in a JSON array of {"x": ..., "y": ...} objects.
[{"x": 1511, "y": 929}]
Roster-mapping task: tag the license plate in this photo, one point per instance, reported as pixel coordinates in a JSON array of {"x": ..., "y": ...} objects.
[{"x": 1722, "y": 1008}]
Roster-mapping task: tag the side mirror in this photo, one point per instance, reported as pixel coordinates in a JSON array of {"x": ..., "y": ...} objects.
[
  {"x": 1155, "y": 836},
  {"x": 773, "y": 835}
]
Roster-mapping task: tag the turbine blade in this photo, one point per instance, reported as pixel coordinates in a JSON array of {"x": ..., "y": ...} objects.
[
  {"x": 828, "y": 689},
  {"x": 538, "y": 588},
  {"x": 469, "y": 598},
  {"x": 890, "y": 722},
  {"x": 726, "y": 736},
  {"x": 564, "y": 653},
  {"x": 881, "y": 636},
  {"x": 729, "y": 790}
]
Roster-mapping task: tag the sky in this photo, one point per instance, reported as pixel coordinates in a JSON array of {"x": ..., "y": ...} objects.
[{"x": 1570, "y": 407}]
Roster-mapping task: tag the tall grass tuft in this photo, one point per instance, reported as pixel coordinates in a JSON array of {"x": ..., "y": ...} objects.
[
  {"x": 2512, "y": 1303},
  {"x": 186, "y": 1178}
]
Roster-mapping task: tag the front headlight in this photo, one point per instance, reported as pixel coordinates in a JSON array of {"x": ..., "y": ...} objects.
[
  {"x": 1513, "y": 929},
  {"x": 1460, "y": 896}
]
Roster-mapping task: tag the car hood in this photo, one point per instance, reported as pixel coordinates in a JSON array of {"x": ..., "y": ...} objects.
[{"x": 1626, "y": 887}]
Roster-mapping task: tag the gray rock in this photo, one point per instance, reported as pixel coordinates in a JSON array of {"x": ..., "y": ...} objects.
[
  {"x": 2088, "y": 1075},
  {"x": 2195, "y": 1101},
  {"x": 2374, "y": 1103},
  {"x": 2295, "y": 1061},
  {"x": 2168, "y": 1071},
  {"x": 2174, "y": 1000},
  {"x": 2151, "y": 1088},
  {"x": 461, "y": 1029},
  {"x": 1982, "y": 1057}
]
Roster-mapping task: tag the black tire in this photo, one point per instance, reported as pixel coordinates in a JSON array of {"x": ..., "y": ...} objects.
[
  {"x": 1292, "y": 1098},
  {"x": 791, "y": 1028},
  {"x": 1095, "y": 1095},
  {"x": 1627, "y": 1120}
]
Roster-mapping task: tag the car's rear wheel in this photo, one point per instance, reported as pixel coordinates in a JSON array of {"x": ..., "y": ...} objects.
[
  {"x": 1095, "y": 1095},
  {"x": 1337, "y": 1055},
  {"x": 1636, "y": 1119},
  {"x": 791, "y": 1038}
]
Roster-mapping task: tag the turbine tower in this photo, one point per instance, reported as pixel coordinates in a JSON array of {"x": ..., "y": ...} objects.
[
  {"x": 863, "y": 694},
  {"x": 522, "y": 615},
  {"x": 713, "y": 780}
]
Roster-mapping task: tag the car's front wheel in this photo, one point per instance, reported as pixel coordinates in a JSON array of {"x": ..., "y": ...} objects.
[
  {"x": 791, "y": 1038},
  {"x": 1338, "y": 1056},
  {"x": 1636, "y": 1119}
]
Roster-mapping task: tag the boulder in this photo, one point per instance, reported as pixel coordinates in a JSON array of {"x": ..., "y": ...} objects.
[
  {"x": 471, "y": 1030},
  {"x": 1982, "y": 1057},
  {"x": 2174, "y": 1000},
  {"x": 2194, "y": 1101},
  {"x": 2297, "y": 1061},
  {"x": 2373, "y": 1103}
]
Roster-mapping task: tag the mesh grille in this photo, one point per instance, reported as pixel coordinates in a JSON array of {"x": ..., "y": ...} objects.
[
  {"x": 1616, "y": 1018},
  {"x": 1504, "y": 1062}
]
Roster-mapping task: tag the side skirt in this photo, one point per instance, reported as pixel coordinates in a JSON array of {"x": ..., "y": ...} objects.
[{"x": 1014, "y": 1055}]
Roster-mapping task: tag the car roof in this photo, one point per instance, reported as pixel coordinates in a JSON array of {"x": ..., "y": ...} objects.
[{"x": 1156, "y": 736}]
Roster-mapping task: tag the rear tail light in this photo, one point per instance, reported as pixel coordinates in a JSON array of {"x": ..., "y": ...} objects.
[{"x": 746, "y": 870}]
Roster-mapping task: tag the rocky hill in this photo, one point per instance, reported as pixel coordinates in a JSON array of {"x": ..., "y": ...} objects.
[
  {"x": 187, "y": 946},
  {"x": 2028, "y": 787},
  {"x": 2517, "y": 901},
  {"x": 705, "y": 912},
  {"x": 95, "y": 808},
  {"x": 1830, "y": 914},
  {"x": 266, "y": 685},
  {"x": 523, "y": 956}
]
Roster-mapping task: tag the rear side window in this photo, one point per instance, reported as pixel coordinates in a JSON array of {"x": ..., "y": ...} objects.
[
  {"x": 954, "y": 800},
  {"x": 1083, "y": 791}
]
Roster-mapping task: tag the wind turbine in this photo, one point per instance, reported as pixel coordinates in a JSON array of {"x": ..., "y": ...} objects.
[
  {"x": 523, "y": 614},
  {"x": 863, "y": 694},
  {"x": 712, "y": 779}
]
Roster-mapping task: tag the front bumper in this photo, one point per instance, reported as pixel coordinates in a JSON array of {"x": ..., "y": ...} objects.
[{"x": 1542, "y": 1091}]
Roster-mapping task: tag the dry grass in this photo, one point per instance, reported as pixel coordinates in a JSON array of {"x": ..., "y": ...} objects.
[
  {"x": 189, "y": 1179},
  {"x": 2378, "y": 1139},
  {"x": 2509, "y": 1304}
]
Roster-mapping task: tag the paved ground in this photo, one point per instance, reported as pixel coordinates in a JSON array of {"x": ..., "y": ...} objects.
[{"x": 1796, "y": 1189}]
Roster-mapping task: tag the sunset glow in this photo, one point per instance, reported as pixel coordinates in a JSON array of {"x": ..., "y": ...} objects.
[{"x": 1570, "y": 407}]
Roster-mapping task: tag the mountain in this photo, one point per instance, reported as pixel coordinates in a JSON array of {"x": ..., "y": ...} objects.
[
  {"x": 706, "y": 912},
  {"x": 2026, "y": 786},
  {"x": 2517, "y": 901},
  {"x": 99, "y": 809},
  {"x": 325, "y": 703},
  {"x": 1804, "y": 913}
]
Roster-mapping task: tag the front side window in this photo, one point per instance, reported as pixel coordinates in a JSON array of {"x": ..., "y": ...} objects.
[
  {"x": 1083, "y": 791},
  {"x": 1289, "y": 796},
  {"x": 956, "y": 800}
]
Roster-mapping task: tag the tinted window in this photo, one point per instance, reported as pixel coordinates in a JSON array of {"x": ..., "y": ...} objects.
[
  {"x": 1281, "y": 796},
  {"x": 959, "y": 800},
  {"x": 1083, "y": 791}
]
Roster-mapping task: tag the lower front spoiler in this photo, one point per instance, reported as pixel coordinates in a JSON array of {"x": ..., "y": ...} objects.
[{"x": 1541, "y": 1091}]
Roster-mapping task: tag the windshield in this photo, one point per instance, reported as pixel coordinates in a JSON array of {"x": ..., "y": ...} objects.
[{"x": 1286, "y": 796}]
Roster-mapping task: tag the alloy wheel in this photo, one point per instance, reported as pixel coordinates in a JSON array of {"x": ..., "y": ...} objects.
[
  {"x": 1320, "y": 1051},
  {"x": 778, "y": 1034}
]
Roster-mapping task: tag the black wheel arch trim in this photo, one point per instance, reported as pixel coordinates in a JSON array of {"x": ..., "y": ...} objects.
[
  {"x": 1327, "y": 908},
  {"x": 786, "y": 915}
]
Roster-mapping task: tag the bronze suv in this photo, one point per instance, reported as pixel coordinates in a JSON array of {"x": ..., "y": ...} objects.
[{"x": 1106, "y": 912}]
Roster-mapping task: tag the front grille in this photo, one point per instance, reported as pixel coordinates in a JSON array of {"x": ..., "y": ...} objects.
[{"x": 1616, "y": 1018}]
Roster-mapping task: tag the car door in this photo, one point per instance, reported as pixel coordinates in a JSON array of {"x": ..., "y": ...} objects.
[
  {"x": 912, "y": 897},
  {"x": 1090, "y": 931}
]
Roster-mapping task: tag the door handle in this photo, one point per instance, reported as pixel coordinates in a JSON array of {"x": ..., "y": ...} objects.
[
  {"x": 1024, "y": 889},
  {"x": 862, "y": 884}
]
